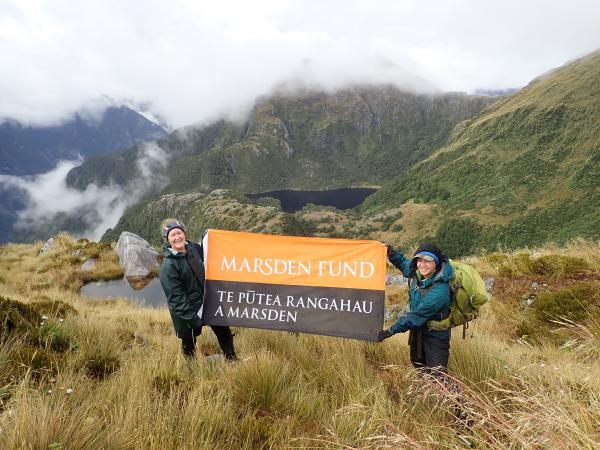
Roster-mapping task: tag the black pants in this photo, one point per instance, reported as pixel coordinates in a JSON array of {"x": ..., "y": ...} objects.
[
  {"x": 224, "y": 336},
  {"x": 428, "y": 353}
]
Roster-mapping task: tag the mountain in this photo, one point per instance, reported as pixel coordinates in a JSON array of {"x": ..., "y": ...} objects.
[
  {"x": 26, "y": 150},
  {"x": 31, "y": 150},
  {"x": 305, "y": 140},
  {"x": 522, "y": 172}
]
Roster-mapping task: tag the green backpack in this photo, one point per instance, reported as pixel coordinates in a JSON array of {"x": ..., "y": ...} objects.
[{"x": 467, "y": 295}]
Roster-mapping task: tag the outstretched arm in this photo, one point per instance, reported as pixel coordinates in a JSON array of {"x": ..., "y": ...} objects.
[{"x": 399, "y": 261}]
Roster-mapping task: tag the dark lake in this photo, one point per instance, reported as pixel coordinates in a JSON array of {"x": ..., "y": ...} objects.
[
  {"x": 292, "y": 201},
  {"x": 150, "y": 295}
]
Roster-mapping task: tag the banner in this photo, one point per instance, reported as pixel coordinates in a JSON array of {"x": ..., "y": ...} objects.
[{"x": 333, "y": 287}]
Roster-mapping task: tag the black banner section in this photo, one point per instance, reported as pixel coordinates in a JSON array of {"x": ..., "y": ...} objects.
[{"x": 349, "y": 313}]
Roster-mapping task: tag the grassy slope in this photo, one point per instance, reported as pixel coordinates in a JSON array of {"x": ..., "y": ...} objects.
[
  {"x": 131, "y": 389},
  {"x": 526, "y": 167}
]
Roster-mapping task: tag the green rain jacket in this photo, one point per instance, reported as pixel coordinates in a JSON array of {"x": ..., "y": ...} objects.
[
  {"x": 183, "y": 288},
  {"x": 428, "y": 298}
]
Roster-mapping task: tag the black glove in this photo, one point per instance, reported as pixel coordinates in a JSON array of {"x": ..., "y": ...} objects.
[
  {"x": 384, "y": 334},
  {"x": 390, "y": 250}
]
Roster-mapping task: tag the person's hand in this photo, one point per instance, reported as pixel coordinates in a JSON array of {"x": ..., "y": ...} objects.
[
  {"x": 384, "y": 334},
  {"x": 390, "y": 249}
]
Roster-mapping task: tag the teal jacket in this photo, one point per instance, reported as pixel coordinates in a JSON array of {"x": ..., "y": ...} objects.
[
  {"x": 428, "y": 298},
  {"x": 183, "y": 289}
]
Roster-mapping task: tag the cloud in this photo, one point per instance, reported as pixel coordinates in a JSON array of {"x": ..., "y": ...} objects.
[
  {"x": 195, "y": 61},
  {"x": 47, "y": 196}
]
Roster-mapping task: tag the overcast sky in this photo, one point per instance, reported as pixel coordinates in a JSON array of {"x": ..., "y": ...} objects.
[{"x": 193, "y": 61}]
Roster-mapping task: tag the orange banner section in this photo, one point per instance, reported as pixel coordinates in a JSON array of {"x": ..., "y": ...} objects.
[{"x": 291, "y": 260}]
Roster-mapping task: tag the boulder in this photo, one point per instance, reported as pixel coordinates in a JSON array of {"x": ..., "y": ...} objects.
[
  {"x": 136, "y": 256},
  {"x": 489, "y": 284},
  {"x": 90, "y": 264},
  {"x": 139, "y": 283},
  {"x": 394, "y": 280},
  {"x": 47, "y": 246}
]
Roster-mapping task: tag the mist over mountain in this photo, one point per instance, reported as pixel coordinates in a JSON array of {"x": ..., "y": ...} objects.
[
  {"x": 27, "y": 150},
  {"x": 34, "y": 163},
  {"x": 306, "y": 140},
  {"x": 495, "y": 92}
]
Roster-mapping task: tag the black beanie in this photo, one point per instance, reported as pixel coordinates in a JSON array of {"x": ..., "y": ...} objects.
[{"x": 171, "y": 226}]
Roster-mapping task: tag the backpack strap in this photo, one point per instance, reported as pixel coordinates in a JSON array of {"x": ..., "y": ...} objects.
[
  {"x": 465, "y": 324},
  {"x": 194, "y": 259}
]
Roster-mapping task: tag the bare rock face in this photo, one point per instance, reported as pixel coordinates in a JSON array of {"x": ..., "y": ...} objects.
[
  {"x": 47, "y": 246},
  {"x": 90, "y": 264},
  {"x": 394, "y": 280},
  {"x": 136, "y": 256}
]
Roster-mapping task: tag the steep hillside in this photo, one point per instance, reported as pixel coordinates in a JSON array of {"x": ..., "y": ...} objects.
[
  {"x": 229, "y": 210},
  {"x": 360, "y": 136},
  {"x": 524, "y": 171},
  {"x": 28, "y": 150}
]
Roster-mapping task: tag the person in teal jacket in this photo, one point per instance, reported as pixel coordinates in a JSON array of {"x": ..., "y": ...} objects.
[
  {"x": 182, "y": 278},
  {"x": 429, "y": 273}
]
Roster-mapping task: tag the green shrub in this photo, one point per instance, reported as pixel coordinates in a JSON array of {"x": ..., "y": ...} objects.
[
  {"x": 100, "y": 366},
  {"x": 54, "y": 308},
  {"x": 57, "y": 337},
  {"x": 397, "y": 228},
  {"x": 576, "y": 303},
  {"x": 93, "y": 249},
  {"x": 528, "y": 326},
  {"x": 167, "y": 382},
  {"x": 458, "y": 236},
  {"x": 265, "y": 385},
  {"x": 557, "y": 266},
  {"x": 554, "y": 266},
  {"x": 99, "y": 351},
  {"x": 34, "y": 360},
  {"x": 497, "y": 259},
  {"x": 291, "y": 225},
  {"x": 522, "y": 263},
  {"x": 17, "y": 318}
]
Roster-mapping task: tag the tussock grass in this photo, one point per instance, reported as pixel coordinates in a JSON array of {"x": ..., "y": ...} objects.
[
  {"x": 550, "y": 261},
  {"x": 131, "y": 389},
  {"x": 25, "y": 270}
]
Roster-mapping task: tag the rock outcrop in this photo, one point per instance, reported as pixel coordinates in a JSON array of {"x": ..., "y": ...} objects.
[
  {"x": 90, "y": 264},
  {"x": 47, "y": 246}
]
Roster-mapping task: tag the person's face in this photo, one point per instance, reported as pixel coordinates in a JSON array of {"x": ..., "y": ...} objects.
[
  {"x": 427, "y": 268},
  {"x": 177, "y": 240}
]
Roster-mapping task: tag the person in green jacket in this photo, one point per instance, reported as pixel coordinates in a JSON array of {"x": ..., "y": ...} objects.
[
  {"x": 182, "y": 279},
  {"x": 429, "y": 273}
]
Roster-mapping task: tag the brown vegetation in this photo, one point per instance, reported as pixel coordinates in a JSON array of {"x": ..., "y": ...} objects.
[{"x": 108, "y": 373}]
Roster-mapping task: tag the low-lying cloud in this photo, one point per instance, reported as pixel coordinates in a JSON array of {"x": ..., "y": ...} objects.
[{"x": 47, "y": 196}]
